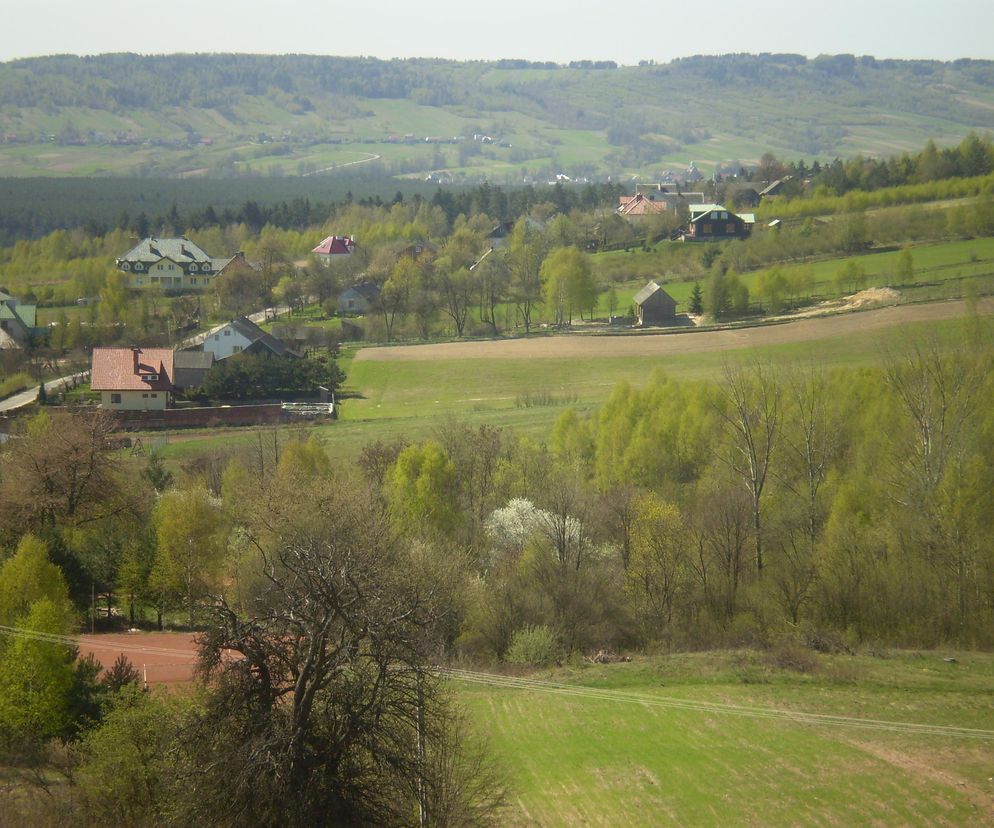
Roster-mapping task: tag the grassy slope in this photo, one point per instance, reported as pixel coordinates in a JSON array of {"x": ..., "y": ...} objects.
[
  {"x": 581, "y": 761},
  {"x": 558, "y": 118},
  {"x": 407, "y": 399}
]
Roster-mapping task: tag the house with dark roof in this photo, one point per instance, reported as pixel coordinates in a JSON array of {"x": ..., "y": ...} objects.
[
  {"x": 715, "y": 222},
  {"x": 191, "y": 368},
  {"x": 654, "y": 306},
  {"x": 133, "y": 379},
  {"x": 242, "y": 335},
  {"x": 334, "y": 248},
  {"x": 173, "y": 264},
  {"x": 358, "y": 299},
  {"x": 17, "y": 322}
]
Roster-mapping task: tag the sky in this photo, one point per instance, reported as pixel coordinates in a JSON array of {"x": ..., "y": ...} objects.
[{"x": 557, "y": 30}]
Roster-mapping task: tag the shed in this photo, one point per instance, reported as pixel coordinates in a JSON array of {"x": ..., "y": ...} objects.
[{"x": 654, "y": 306}]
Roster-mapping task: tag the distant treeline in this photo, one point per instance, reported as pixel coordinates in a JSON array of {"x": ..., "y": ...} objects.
[{"x": 32, "y": 208}]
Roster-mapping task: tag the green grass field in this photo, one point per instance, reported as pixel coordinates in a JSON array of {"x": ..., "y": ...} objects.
[{"x": 577, "y": 760}]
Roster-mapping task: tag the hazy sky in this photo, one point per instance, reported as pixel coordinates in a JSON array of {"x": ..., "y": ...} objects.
[{"x": 559, "y": 30}]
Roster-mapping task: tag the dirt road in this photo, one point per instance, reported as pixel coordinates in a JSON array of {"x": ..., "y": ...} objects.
[
  {"x": 163, "y": 658},
  {"x": 691, "y": 341}
]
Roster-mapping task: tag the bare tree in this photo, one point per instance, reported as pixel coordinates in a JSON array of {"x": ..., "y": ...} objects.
[
  {"x": 321, "y": 706},
  {"x": 751, "y": 410}
]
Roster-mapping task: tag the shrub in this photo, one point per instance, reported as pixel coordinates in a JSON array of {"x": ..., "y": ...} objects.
[{"x": 533, "y": 645}]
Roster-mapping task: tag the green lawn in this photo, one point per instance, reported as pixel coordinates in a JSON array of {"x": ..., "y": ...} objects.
[{"x": 575, "y": 760}]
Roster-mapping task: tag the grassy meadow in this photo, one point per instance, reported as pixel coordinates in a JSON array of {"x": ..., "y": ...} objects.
[{"x": 576, "y": 760}]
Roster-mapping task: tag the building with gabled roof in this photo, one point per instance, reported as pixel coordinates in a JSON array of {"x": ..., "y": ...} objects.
[
  {"x": 173, "y": 264},
  {"x": 17, "y": 322},
  {"x": 334, "y": 248},
  {"x": 242, "y": 335},
  {"x": 358, "y": 298},
  {"x": 654, "y": 306},
  {"x": 133, "y": 379},
  {"x": 715, "y": 222},
  {"x": 650, "y": 199}
]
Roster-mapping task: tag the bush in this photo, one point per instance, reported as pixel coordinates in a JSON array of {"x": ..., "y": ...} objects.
[{"x": 533, "y": 645}]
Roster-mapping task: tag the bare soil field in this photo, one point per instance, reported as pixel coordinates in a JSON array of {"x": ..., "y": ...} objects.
[
  {"x": 686, "y": 342},
  {"x": 163, "y": 658}
]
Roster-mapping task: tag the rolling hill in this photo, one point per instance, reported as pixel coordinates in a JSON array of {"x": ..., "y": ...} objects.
[{"x": 291, "y": 115}]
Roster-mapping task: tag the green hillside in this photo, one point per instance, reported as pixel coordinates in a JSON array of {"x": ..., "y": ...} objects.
[{"x": 294, "y": 114}]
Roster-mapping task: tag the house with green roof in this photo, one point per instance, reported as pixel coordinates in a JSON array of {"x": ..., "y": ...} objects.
[
  {"x": 18, "y": 322},
  {"x": 175, "y": 264}
]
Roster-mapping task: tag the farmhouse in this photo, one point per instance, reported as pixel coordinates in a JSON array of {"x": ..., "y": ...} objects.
[
  {"x": 654, "y": 306},
  {"x": 133, "y": 379},
  {"x": 334, "y": 248},
  {"x": 714, "y": 222},
  {"x": 242, "y": 335},
  {"x": 172, "y": 264},
  {"x": 655, "y": 198},
  {"x": 17, "y": 322},
  {"x": 358, "y": 299}
]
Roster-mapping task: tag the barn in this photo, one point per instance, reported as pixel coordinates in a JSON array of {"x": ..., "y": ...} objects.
[{"x": 654, "y": 306}]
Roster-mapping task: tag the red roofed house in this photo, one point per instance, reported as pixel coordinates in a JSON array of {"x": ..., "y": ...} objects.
[
  {"x": 133, "y": 379},
  {"x": 334, "y": 247}
]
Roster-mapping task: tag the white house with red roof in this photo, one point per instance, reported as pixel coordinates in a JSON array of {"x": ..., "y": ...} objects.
[
  {"x": 334, "y": 248},
  {"x": 133, "y": 379}
]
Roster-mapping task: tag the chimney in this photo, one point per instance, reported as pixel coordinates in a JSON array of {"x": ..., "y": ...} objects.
[{"x": 135, "y": 352}]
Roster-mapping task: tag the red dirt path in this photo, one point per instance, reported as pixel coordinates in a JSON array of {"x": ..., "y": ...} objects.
[{"x": 166, "y": 658}]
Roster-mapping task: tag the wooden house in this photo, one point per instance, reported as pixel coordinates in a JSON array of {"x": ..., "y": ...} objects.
[
  {"x": 654, "y": 306},
  {"x": 715, "y": 222}
]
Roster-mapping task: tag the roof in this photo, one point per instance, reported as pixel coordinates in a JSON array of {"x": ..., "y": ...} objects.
[
  {"x": 639, "y": 205},
  {"x": 367, "y": 290},
  {"x": 193, "y": 360},
  {"x": 649, "y": 291},
  {"x": 335, "y": 245},
  {"x": 130, "y": 369},
  {"x": 698, "y": 211},
  {"x": 254, "y": 334},
  {"x": 181, "y": 250},
  {"x": 25, "y": 314}
]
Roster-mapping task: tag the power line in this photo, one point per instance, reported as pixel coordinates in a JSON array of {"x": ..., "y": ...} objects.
[
  {"x": 820, "y": 719},
  {"x": 593, "y": 693}
]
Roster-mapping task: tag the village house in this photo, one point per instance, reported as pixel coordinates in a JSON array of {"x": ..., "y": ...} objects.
[
  {"x": 133, "y": 379},
  {"x": 334, "y": 248},
  {"x": 654, "y": 306},
  {"x": 715, "y": 222},
  {"x": 17, "y": 322},
  {"x": 174, "y": 264},
  {"x": 358, "y": 299},
  {"x": 242, "y": 335},
  {"x": 650, "y": 199}
]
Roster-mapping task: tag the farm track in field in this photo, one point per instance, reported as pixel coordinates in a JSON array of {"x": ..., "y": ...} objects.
[{"x": 571, "y": 346}]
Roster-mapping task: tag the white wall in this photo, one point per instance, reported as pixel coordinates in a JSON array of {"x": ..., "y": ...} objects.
[{"x": 225, "y": 341}]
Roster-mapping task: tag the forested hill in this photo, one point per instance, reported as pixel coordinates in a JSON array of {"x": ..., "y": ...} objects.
[{"x": 286, "y": 115}]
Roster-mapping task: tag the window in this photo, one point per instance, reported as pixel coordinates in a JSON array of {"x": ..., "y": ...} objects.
[
  {"x": 706, "y": 228},
  {"x": 115, "y": 399},
  {"x": 125, "y": 266},
  {"x": 227, "y": 333},
  {"x": 159, "y": 267},
  {"x": 138, "y": 266},
  {"x": 235, "y": 349},
  {"x": 154, "y": 396},
  {"x": 145, "y": 396},
  {"x": 730, "y": 228},
  {"x": 724, "y": 215}
]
